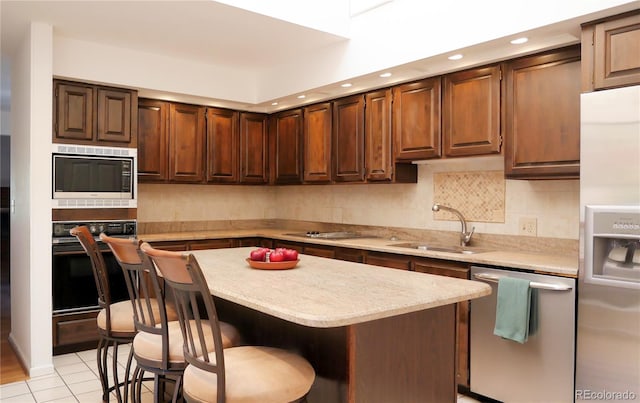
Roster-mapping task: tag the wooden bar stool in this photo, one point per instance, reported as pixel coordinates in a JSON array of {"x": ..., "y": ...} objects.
[
  {"x": 115, "y": 320},
  {"x": 238, "y": 374},
  {"x": 158, "y": 346}
]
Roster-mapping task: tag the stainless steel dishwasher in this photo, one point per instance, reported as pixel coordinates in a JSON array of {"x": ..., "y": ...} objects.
[{"x": 541, "y": 369}]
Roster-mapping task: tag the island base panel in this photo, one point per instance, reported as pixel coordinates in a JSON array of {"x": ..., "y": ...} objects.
[{"x": 406, "y": 358}]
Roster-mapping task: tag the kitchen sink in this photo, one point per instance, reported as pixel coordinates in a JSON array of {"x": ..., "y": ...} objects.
[{"x": 466, "y": 250}]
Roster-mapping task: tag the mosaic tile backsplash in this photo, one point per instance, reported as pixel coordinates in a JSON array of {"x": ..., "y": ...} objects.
[{"x": 479, "y": 196}]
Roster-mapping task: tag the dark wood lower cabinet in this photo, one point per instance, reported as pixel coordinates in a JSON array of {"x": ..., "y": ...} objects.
[
  {"x": 401, "y": 262},
  {"x": 211, "y": 244},
  {"x": 74, "y": 331},
  {"x": 255, "y": 241},
  {"x": 321, "y": 251},
  {"x": 350, "y": 255},
  {"x": 457, "y": 270}
]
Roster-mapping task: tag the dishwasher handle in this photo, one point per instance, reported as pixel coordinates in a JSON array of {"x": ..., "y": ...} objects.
[{"x": 534, "y": 284}]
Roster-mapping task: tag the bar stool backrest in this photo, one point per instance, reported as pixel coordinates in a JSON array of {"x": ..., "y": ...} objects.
[
  {"x": 145, "y": 291},
  {"x": 99, "y": 268},
  {"x": 195, "y": 305}
]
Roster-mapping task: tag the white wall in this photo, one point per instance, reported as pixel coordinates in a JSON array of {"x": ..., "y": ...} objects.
[
  {"x": 396, "y": 33},
  {"x": 31, "y": 106}
]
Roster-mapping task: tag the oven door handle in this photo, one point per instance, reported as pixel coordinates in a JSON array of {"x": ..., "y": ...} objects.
[{"x": 534, "y": 284}]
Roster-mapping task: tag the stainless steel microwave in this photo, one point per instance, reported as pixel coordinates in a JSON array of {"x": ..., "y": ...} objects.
[{"x": 94, "y": 177}]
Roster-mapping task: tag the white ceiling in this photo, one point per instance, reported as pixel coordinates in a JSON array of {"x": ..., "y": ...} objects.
[{"x": 219, "y": 34}]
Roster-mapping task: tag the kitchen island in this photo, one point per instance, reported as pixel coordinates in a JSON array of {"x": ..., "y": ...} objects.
[{"x": 372, "y": 334}]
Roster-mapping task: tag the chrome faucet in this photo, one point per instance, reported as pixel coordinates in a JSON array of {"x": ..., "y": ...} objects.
[{"x": 465, "y": 237}]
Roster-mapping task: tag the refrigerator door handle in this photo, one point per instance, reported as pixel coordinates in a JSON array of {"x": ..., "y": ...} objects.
[{"x": 534, "y": 284}]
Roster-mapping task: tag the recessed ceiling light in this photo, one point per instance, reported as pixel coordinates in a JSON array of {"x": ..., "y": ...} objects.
[
  {"x": 302, "y": 96},
  {"x": 457, "y": 56},
  {"x": 385, "y": 75},
  {"x": 346, "y": 85},
  {"x": 519, "y": 41},
  {"x": 274, "y": 103}
]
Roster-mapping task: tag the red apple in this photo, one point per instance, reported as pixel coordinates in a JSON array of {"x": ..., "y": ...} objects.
[
  {"x": 259, "y": 255},
  {"x": 276, "y": 256},
  {"x": 290, "y": 254}
]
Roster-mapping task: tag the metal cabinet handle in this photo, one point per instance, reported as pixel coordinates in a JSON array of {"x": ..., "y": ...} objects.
[{"x": 534, "y": 284}]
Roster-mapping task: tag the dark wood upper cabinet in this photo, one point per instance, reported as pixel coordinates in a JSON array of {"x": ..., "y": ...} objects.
[
  {"x": 378, "y": 136},
  {"x": 91, "y": 114},
  {"x": 316, "y": 143},
  {"x": 542, "y": 115},
  {"x": 153, "y": 140},
  {"x": 471, "y": 112},
  {"x": 285, "y": 137},
  {"x": 416, "y": 119},
  {"x": 348, "y": 139},
  {"x": 611, "y": 52},
  {"x": 253, "y": 148},
  {"x": 222, "y": 146},
  {"x": 114, "y": 116},
  {"x": 186, "y": 143},
  {"x": 74, "y": 111}
]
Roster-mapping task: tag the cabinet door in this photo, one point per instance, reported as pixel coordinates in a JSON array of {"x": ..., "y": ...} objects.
[
  {"x": 186, "y": 143},
  {"x": 317, "y": 143},
  {"x": 378, "y": 140},
  {"x": 617, "y": 52},
  {"x": 416, "y": 119},
  {"x": 114, "y": 116},
  {"x": 457, "y": 270},
  {"x": 542, "y": 115},
  {"x": 285, "y": 134},
  {"x": 348, "y": 139},
  {"x": 153, "y": 118},
  {"x": 253, "y": 148},
  {"x": 222, "y": 146},
  {"x": 471, "y": 112},
  {"x": 73, "y": 112}
]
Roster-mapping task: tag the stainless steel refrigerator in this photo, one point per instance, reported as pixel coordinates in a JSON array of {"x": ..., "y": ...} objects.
[{"x": 608, "y": 312}]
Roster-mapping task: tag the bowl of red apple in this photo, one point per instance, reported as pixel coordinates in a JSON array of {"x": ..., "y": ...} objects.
[{"x": 273, "y": 259}]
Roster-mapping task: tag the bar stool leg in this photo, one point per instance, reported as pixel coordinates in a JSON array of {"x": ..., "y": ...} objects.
[{"x": 101, "y": 352}]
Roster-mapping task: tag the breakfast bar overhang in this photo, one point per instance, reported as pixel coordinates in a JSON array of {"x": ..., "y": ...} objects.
[{"x": 372, "y": 334}]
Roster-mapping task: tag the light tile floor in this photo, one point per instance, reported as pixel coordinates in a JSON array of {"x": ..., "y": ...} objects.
[{"x": 75, "y": 380}]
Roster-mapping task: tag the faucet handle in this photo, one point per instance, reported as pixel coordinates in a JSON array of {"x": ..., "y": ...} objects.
[{"x": 467, "y": 236}]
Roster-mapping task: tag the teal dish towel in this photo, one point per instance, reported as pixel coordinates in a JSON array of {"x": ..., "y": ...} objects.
[{"x": 513, "y": 309}]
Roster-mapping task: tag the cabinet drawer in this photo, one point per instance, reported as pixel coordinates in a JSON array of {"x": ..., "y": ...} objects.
[
  {"x": 74, "y": 328},
  {"x": 211, "y": 244},
  {"x": 388, "y": 260},
  {"x": 350, "y": 255},
  {"x": 320, "y": 251}
]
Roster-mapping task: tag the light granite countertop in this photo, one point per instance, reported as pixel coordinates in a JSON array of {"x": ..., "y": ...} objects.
[
  {"x": 561, "y": 265},
  {"x": 322, "y": 292}
]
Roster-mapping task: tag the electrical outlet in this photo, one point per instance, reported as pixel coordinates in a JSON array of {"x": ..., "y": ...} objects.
[{"x": 528, "y": 226}]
